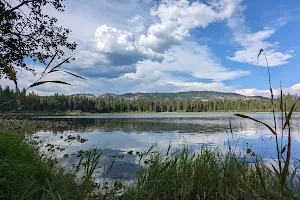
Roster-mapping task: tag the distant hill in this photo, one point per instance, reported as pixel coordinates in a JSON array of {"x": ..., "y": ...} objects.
[{"x": 202, "y": 95}]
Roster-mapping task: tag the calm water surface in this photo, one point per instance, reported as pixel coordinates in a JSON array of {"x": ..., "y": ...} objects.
[{"x": 117, "y": 134}]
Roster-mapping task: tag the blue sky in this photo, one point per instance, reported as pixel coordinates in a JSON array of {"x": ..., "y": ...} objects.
[{"x": 180, "y": 45}]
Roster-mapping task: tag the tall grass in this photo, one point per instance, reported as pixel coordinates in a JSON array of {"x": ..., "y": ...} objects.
[
  {"x": 209, "y": 174},
  {"x": 25, "y": 175},
  {"x": 283, "y": 162}
]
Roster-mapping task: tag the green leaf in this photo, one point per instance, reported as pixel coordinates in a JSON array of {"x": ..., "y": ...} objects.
[
  {"x": 283, "y": 149},
  {"x": 11, "y": 73},
  {"x": 247, "y": 117},
  {"x": 281, "y": 100},
  {"x": 285, "y": 170},
  {"x": 288, "y": 117},
  {"x": 166, "y": 166},
  {"x": 293, "y": 175},
  {"x": 74, "y": 74},
  {"x": 43, "y": 82},
  {"x": 262, "y": 181},
  {"x": 275, "y": 170}
]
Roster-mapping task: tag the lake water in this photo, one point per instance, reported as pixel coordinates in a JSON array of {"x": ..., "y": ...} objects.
[{"x": 118, "y": 134}]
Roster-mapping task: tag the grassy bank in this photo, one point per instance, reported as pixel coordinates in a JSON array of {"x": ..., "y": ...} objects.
[
  {"x": 209, "y": 175},
  {"x": 185, "y": 175},
  {"x": 25, "y": 175}
]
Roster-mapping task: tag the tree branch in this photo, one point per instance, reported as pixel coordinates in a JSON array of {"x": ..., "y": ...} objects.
[{"x": 18, "y": 6}]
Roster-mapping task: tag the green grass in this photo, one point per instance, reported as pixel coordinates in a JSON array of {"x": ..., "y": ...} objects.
[
  {"x": 25, "y": 175},
  {"x": 208, "y": 175}
]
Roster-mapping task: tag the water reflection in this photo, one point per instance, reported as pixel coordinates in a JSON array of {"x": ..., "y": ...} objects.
[{"x": 119, "y": 134}]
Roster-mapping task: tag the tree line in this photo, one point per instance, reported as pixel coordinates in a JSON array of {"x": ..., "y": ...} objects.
[{"x": 19, "y": 101}]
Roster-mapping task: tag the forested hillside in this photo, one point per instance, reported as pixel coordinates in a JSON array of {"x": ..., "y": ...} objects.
[
  {"x": 195, "y": 95},
  {"x": 86, "y": 103}
]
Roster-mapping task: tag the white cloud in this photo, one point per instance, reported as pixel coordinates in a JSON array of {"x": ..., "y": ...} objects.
[
  {"x": 253, "y": 92},
  {"x": 199, "y": 86},
  {"x": 138, "y": 22},
  {"x": 113, "y": 53},
  {"x": 295, "y": 89},
  {"x": 113, "y": 41},
  {"x": 176, "y": 18},
  {"x": 83, "y": 17},
  {"x": 190, "y": 60},
  {"x": 110, "y": 39},
  {"x": 252, "y": 42},
  {"x": 114, "y": 50},
  {"x": 118, "y": 47},
  {"x": 193, "y": 60}
]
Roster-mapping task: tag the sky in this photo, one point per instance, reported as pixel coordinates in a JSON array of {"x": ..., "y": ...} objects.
[{"x": 178, "y": 45}]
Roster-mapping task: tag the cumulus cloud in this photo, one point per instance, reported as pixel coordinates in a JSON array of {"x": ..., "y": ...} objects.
[
  {"x": 252, "y": 42},
  {"x": 110, "y": 40},
  {"x": 115, "y": 52},
  {"x": 193, "y": 60},
  {"x": 176, "y": 18},
  {"x": 138, "y": 22},
  {"x": 84, "y": 17}
]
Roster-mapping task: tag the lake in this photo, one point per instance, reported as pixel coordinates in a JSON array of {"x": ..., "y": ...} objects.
[{"x": 130, "y": 134}]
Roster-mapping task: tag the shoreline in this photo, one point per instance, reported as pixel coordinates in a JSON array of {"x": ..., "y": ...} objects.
[
  {"x": 23, "y": 170},
  {"x": 140, "y": 113}
]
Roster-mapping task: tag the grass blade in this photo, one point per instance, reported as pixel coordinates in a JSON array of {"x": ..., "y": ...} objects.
[
  {"x": 73, "y": 74},
  {"x": 43, "y": 82},
  {"x": 288, "y": 117},
  {"x": 288, "y": 156},
  {"x": 247, "y": 117},
  {"x": 9, "y": 70},
  {"x": 50, "y": 62},
  {"x": 64, "y": 61}
]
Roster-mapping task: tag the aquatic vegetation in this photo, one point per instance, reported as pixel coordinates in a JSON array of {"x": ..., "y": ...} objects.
[
  {"x": 26, "y": 125},
  {"x": 209, "y": 174}
]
